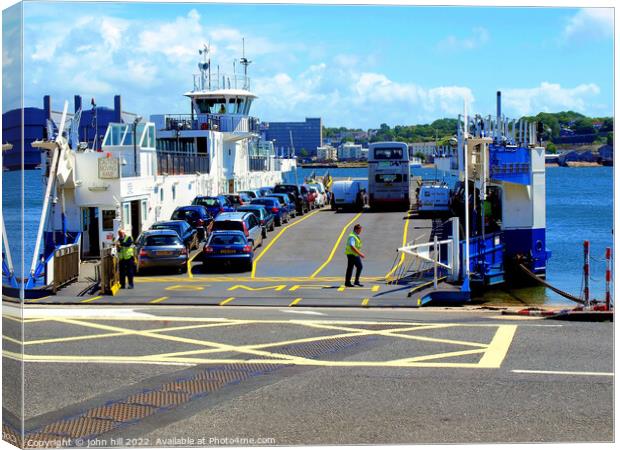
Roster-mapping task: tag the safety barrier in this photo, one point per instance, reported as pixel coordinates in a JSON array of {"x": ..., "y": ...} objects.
[
  {"x": 66, "y": 266},
  {"x": 109, "y": 275}
]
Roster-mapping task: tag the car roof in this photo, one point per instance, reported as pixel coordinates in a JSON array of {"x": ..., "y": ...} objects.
[
  {"x": 192, "y": 207},
  {"x": 220, "y": 232},
  {"x": 159, "y": 232},
  {"x": 168, "y": 222},
  {"x": 250, "y": 206},
  {"x": 231, "y": 216}
]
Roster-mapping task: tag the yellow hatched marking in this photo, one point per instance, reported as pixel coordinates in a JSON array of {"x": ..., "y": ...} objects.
[
  {"x": 275, "y": 239},
  {"x": 228, "y": 300},
  {"x": 335, "y": 247},
  {"x": 402, "y": 255},
  {"x": 212, "y": 279},
  {"x": 296, "y": 287},
  {"x": 294, "y": 302},
  {"x": 159, "y": 300},
  {"x": 10, "y": 339},
  {"x": 365, "y": 302},
  {"x": 498, "y": 348},
  {"x": 92, "y": 299}
]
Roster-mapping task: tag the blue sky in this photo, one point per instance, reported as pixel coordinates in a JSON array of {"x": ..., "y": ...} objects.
[{"x": 353, "y": 66}]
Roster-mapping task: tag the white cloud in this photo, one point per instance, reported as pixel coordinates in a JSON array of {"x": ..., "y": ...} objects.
[
  {"x": 548, "y": 97},
  {"x": 479, "y": 36},
  {"x": 590, "y": 23}
]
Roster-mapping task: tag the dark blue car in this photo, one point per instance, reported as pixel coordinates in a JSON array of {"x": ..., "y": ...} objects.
[
  {"x": 228, "y": 247},
  {"x": 215, "y": 205},
  {"x": 289, "y": 202},
  {"x": 273, "y": 205}
]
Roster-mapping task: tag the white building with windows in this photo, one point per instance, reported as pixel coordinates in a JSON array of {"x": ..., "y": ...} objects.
[
  {"x": 349, "y": 150},
  {"x": 326, "y": 153}
]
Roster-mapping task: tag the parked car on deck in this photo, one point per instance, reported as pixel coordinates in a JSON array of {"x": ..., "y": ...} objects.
[
  {"x": 319, "y": 200},
  {"x": 197, "y": 216},
  {"x": 321, "y": 193},
  {"x": 301, "y": 201},
  {"x": 215, "y": 205},
  {"x": 238, "y": 199},
  {"x": 265, "y": 217},
  {"x": 306, "y": 192},
  {"x": 265, "y": 191},
  {"x": 287, "y": 202},
  {"x": 161, "y": 248},
  {"x": 246, "y": 222},
  {"x": 252, "y": 193},
  {"x": 273, "y": 205},
  {"x": 228, "y": 247},
  {"x": 186, "y": 232}
]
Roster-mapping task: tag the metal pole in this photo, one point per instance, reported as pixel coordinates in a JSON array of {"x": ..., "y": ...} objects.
[
  {"x": 586, "y": 272},
  {"x": 608, "y": 278},
  {"x": 466, "y": 202},
  {"x": 436, "y": 249}
]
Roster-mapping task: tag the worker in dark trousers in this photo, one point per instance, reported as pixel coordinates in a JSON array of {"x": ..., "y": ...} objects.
[
  {"x": 353, "y": 250},
  {"x": 126, "y": 259}
]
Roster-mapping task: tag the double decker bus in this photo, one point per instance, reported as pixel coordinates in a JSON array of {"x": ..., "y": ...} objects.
[{"x": 388, "y": 175}]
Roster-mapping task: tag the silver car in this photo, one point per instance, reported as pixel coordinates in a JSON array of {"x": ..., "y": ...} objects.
[{"x": 161, "y": 248}]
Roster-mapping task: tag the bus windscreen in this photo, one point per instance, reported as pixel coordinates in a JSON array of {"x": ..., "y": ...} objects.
[{"x": 388, "y": 153}]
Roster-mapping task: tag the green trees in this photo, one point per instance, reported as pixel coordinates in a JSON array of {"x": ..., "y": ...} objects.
[
  {"x": 584, "y": 126},
  {"x": 551, "y": 148}
]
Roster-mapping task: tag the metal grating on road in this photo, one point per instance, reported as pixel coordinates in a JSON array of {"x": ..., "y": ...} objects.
[
  {"x": 159, "y": 399},
  {"x": 120, "y": 412},
  {"x": 78, "y": 427},
  {"x": 317, "y": 348}
]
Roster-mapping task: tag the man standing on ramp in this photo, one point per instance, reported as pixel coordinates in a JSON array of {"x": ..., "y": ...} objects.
[{"x": 353, "y": 250}]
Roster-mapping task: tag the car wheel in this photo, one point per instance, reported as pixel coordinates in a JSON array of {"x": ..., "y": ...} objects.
[
  {"x": 273, "y": 227},
  {"x": 251, "y": 242},
  {"x": 264, "y": 233},
  {"x": 183, "y": 268}
]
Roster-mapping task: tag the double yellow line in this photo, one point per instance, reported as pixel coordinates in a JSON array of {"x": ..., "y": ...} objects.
[{"x": 335, "y": 247}]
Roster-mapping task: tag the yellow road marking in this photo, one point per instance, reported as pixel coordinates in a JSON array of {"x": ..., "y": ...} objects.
[
  {"x": 294, "y": 302},
  {"x": 373, "y": 288},
  {"x": 402, "y": 255},
  {"x": 275, "y": 239},
  {"x": 365, "y": 302},
  {"x": 189, "y": 263},
  {"x": 335, "y": 247},
  {"x": 498, "y": 347},
  {"x": 225, "y": 279},
  {"x": 493, "y": 353},
  {"x": 13, "y": 340},
  {"x": 262, "y": 288},
  {"x": 186, "y": 287},
  {"x": 228, "y": 300},
  {"x": 310, "y": 286},
  {"x": 159, "y": 300},
  {"x": 92, "y": 299},
  {"x": 34, "y": 300}
]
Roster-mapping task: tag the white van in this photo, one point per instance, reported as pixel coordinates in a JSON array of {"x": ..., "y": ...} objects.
[
  {"x": 433, "y": 197},
  {"x": 345, "y": 193}
]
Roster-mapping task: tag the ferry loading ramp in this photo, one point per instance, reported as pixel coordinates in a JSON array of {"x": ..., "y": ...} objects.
[{"x": 300, "y": 264}]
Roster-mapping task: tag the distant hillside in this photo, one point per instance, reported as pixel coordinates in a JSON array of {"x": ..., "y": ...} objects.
[{"x": 560, "y": 126}]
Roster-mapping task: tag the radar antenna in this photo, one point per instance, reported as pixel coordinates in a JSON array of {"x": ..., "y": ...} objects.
[
  {"x": 245, "y": 63},
  {"x": 205, "y": 67}
]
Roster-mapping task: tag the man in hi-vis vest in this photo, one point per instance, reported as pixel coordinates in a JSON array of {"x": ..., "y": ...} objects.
[
  {"x": 125, "y": 256},
  {"x": 354, "y": 254}
]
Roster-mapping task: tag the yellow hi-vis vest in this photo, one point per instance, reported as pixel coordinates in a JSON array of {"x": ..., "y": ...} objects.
[
  {"x": 358, "y": 244},
  {"x": 125, "y": 252}
]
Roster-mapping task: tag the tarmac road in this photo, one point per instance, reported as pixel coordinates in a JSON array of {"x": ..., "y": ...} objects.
[{"x": 154, "y": 374}]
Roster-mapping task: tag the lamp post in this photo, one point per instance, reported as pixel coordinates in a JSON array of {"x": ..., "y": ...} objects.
[{"x": 136, "y": 121}]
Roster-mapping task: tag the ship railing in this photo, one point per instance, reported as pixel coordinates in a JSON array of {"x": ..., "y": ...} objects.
[
  {"x": 223, "y": 81},
  {"x": 226, "y": 123},
  {"x": 181, "y": 164}
]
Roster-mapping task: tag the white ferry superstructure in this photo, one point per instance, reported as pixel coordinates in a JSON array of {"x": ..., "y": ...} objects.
[{"x": 144, "y": 170}]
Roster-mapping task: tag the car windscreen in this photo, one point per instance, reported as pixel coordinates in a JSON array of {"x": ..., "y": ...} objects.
[
  {"x": 284, "y": 189},
  {"x": 234, "y": 225},
  {"x": 162, "y": 240},
  {"x": 227, "y": 239},
  {"x": 185, "y": 214},
  {"x": 279, "y": 199},
  {"x": 207, "y": 202}
]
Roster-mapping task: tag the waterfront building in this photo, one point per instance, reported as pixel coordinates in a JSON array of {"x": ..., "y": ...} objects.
[
  {"x": 349, "y": 150},
  {"x": 326, "y": 153},
  {"x": 307, "y": 136}
]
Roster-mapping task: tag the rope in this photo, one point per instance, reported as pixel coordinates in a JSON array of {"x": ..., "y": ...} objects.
[{"x": 553, "y": 288}]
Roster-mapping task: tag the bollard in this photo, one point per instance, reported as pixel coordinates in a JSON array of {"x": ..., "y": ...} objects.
[
  {"x": 586, "y": 273},
  {"x": 608, "y": 278}
]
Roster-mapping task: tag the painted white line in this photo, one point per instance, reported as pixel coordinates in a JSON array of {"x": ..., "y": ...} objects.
[
  {"x": 557, "y": 372},
  {"x": 314, "y": 313}
]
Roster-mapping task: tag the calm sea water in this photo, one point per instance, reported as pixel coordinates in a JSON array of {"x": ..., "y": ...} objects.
[{"x": 579, "y": 207}]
